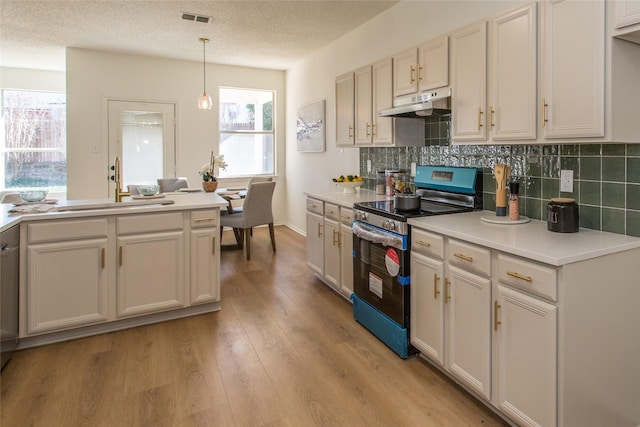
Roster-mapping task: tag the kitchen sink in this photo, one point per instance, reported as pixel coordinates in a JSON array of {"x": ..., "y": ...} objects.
[{"x": 84, "y": 206}]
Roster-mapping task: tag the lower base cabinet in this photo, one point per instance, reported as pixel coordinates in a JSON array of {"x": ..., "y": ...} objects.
[{"x": 85, "y": 272}]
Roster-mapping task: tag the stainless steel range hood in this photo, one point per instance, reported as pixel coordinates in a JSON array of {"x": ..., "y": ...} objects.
[{"x": 421, "y": 105}]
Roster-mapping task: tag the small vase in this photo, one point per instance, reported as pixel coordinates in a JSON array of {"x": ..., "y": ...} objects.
[{"x": 210, "y": 186}]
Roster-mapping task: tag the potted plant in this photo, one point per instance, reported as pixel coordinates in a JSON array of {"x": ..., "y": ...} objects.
[{"x": 209, "y": 180}]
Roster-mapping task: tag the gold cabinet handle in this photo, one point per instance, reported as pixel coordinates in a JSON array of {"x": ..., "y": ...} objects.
[
  {"x": 463, "y": 257},
  {"x": 480, "y": 118},
  {"x": 339, "y": 239},
  {"x": 329, "y": 211},
  {"x": 120, "y": 257},
  {"x": 213, "y": 245},
  {"x": 103, "y": 260},
  {"x": 447, "y": 295},
  {"x": 373, "y": 129},
  {"x": 346, "y": 217},
  {"x": 205, "y": 219},
  {"x": 520, "y": 276},
  {"x": 319, "y": 232},
  {"x": 496, "y": 322},
  {"x": 350, "y": 131},
  {"x": 412, "y": 71},
  {"x": 336, "y": 241},
  {"x": 436, "y": 292},
  {"x": 419, "y": 72},
  {"x": 492, "y": 113},
  {"x": 423, "y": 243},
  {"x": 367, "y": 130},
  {"x": 311, "y": 205},
  {"x": 544, "y": 112}
]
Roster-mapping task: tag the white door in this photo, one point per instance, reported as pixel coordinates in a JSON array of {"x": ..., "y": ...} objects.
[{"x": 142, "y": 134}]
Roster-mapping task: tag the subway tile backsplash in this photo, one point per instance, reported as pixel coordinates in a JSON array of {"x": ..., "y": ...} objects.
[{"x": 606, "y": 177}]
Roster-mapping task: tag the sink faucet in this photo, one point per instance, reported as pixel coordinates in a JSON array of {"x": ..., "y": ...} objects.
[{"x": 118, "y": 192}]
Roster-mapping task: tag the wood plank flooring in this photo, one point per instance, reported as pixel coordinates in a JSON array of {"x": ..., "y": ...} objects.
[{"x": 283, "y": 351}]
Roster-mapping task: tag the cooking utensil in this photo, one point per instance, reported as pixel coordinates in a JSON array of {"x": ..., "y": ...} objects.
[
  {"x": 501, "y": 172},
  {"x": 406, "y": 202}
]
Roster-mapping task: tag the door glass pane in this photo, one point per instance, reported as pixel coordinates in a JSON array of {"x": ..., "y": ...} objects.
[{"x": 142, "y": 147}]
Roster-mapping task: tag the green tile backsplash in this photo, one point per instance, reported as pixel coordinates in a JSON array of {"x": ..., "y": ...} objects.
[{"x": 606, "y": 177}]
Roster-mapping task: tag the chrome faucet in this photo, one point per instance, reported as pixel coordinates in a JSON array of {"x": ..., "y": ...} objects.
[{"x": 119, "y": 194}]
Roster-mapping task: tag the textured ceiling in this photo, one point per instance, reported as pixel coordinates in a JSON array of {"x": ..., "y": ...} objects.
[{"x": 266, "y": 34}]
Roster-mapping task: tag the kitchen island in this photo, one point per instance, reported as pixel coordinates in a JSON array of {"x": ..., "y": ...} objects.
[
  {"x": 540, "y": 326},
  {"x": 94, "y": 266}
]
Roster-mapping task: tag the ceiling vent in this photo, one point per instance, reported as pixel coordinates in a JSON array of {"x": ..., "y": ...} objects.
[{"x": 194, "y": 17}]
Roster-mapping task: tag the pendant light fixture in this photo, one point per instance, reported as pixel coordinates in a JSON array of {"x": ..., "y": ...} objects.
[{"x": 204, "y": 100}]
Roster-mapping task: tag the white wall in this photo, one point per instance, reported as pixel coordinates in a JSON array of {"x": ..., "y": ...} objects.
[
  {"x": 93, "y": 77},
  {"x": 405, "y": 25},
  {"x": 20, "y": 78}
]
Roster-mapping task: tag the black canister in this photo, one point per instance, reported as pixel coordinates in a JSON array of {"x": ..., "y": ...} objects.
[{"x": 562, "y": 215}]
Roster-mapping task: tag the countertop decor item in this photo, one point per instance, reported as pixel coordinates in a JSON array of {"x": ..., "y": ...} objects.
[
  {"x": 492, "y": 219},
  {"x": 208, "y": 169},
  {"x": 562, "y": 215},
  {"x": 501, "y": 172},
  {"x": 349, "y": 186},
  {"x": 33, "y": 195},
  {"x": 204, "y": 100},
  {"x": 147, "y": 190}
]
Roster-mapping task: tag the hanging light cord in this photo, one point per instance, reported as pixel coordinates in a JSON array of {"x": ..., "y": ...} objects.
[{"x": 204, "y": 64}]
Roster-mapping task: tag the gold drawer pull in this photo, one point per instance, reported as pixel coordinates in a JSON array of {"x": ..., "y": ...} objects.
[
  {"x": 435, "y": 285},
  {"x": 496, "y": 322},
  {"x": 346, "y": 217},
  {"x": 463, "y": 256},
  {"x": 319, "y": 228},
  {"x": 423, "y": 243},
  {"x": 520, "y": 276},
  {"x": 447, "y": 294},
  {"x": 103, "y": 258},
  {"x": 311, "y": 205},
  {"x": 328, "y": 211},
  {"x": 203, "y": 219}
]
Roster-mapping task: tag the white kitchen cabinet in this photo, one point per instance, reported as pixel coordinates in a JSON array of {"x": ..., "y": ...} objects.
[
  {"x": 345, "y": 113},
  {"x": 468, "y": 301},
  {"x": 627, "y": 12},
  {"x": 427, "y": 306},
  {"x": 423, "y": 68},
  {"x": 67, "y": 275},
  {"x": 373, "y": 93},
  {"x": 150, "y": 273},
  {"x": 505, "y": 109},
  {"x": 315, "y": 232},
  {"x": 573, "y": 73},
  {"x": 205, "y": 256},
  {"x": 469, "y": 83},
  {"x": 332, "y": 257},
  {"x": 526, "y": 352},
  {"x": 346, "y": 251},
  {"x": 513, "y": 75}
]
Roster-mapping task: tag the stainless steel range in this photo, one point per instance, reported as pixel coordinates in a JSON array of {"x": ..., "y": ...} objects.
[{"x": 381, "y": 242}]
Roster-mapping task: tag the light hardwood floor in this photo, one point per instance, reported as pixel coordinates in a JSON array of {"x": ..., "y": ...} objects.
[{"x": 283, "y": 351}]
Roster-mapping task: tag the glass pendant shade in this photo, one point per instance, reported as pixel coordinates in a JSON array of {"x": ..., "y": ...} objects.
[{"x": 204, "y": 100}]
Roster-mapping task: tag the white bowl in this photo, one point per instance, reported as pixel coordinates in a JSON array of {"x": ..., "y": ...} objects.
[
  {"x": 349, "y": 187},
  {"x": 147, "y": 190},
  {"x": 32, "y": 196}
]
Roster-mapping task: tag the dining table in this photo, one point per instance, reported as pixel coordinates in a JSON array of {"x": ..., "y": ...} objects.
[{"x": 230, "y": 194}]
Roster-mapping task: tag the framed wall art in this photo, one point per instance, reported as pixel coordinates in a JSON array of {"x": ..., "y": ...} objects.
[{"x": 311, "y": 127}]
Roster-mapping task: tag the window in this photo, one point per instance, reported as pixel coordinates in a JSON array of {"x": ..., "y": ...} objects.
[
  {"x": 247, "y": 132},
  {"x": 34, "y": 138}
]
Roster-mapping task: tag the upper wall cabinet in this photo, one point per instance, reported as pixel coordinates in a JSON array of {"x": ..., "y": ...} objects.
[
  {"x": 505, "y": 109},
  {"x": 423, "y": 68},
  {"x": 373, "y": 93},
  {"x": 573, "y": 70},
  {"x": 627, "y": 13},
  {"x": 345, "y": 109}
]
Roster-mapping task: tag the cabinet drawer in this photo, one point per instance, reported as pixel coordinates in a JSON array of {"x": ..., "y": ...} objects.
[
  {"x": 534, "y": 278},
  {"x": 136, "y": 224},
  {"x": 427, "y": 243},
  {"x": 346, "y": 215},
  {"x": 332, "y": 211},
  {"x": 66, "y": 230},
  {"x": 469, "y": 257},
  {"x": 204, "y": 218},
  {"x": 315, "y": 206}
]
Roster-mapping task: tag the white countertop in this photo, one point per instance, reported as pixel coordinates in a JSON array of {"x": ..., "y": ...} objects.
[
  {"x": 182, "y": 201},
  {"x": 530, "y": 240},
  {"x": 347, "y": 199}
]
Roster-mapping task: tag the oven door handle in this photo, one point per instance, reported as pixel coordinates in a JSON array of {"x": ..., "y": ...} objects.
[{"x": 374, "y": 235}]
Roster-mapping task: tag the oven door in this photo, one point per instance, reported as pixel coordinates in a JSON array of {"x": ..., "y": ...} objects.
[{"x": 381, "y": 271}]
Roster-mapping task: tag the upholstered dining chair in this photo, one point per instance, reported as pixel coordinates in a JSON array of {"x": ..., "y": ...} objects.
[
  {"x": 257, "y": 211},
  {"x": 167, "y": 185},
  {"x": 238, "y": 209},
  {"x": 11, "y": 197}
]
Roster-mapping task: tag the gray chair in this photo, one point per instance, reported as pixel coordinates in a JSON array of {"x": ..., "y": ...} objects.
[
  {"x": 238, "y": 209},
  {"x": 257, "y": 211},
  {"x": 168, "y": 185},
  {"x": 11, "y": 197}
]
